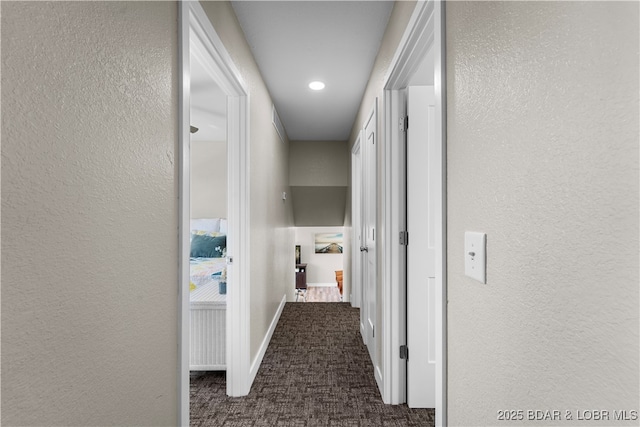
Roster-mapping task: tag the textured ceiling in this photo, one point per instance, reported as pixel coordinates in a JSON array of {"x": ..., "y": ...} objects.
[{"x": 296, "y": 42}]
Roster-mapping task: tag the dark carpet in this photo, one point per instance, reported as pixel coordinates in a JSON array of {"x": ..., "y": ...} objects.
[{"x": 316, "y": 372}]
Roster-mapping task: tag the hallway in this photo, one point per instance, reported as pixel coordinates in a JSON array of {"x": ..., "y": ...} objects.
[{"x": 316, "y": 372}]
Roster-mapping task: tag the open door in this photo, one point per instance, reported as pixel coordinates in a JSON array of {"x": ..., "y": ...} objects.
[
  {"x": 356, "y": 223},
  {"x": 419, "y": 61},
  {"x": 369, "y": 306},
  {"x": 421, "y": 250}
]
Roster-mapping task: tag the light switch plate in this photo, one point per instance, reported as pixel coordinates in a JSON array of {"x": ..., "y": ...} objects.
[{"x": 475, "y": 255}]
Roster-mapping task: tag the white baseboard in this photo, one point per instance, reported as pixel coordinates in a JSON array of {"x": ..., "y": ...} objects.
[
  {"x": 255, "y": 366},
  {"x": 322, "y": 285}
]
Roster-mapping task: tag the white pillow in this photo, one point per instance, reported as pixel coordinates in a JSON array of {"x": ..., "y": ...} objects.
[
  {"x": 205, "y": 224},
  {"x": 223, "y": 225}
]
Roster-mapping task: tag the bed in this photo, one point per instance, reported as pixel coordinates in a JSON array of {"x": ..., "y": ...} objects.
[{"x": 208, "y": 308}]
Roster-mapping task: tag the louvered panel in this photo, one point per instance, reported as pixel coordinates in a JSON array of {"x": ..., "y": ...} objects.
[
  {"x": 208, "y": 339},
  {"x": 275, "y": 119}
]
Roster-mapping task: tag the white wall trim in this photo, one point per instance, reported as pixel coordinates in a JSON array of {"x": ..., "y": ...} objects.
[
  {"x": 415, "y": 43},
  {"x": 394, "y": 103},
  {"x": 425, "y": 29},
  {"x": 255, "y": 366},
  {"x": 238, "y": 296},
  {"x": 387, "y": 245},
  {"x": 440, "y": 86},
  {"x": 195, "y": 27},
  {"x": 183, "y": 218}
]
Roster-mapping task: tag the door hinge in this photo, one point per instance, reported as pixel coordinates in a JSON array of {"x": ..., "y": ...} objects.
[
  {"x": 404, "y": 123},
  {"x": 404, "y": 352},
  {"x": 404, "y": 238}
]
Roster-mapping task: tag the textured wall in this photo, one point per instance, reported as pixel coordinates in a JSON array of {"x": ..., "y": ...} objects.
[
  {"x": 543, "y": 157},
  {"x": 89, "y": 127},
  {"x": 272, "y": 235},
  {"x": 318, "y": 163},
  {"x": 315, "y": 206},
  {"x": 208, "y": 179}
]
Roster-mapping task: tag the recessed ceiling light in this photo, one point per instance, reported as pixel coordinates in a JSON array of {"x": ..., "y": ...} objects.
[{"x": 316, "y": 85}]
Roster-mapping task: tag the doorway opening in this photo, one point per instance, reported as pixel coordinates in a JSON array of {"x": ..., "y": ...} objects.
[
  {"x": 419, "y": 61},
  {"x": 319, "y": 264},
  {"x": 208, "y": 279},
  {"x": 213, "y": 93}
]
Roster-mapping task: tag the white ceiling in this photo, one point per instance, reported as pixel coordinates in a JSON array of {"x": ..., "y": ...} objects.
[{"x": 296, "y": 42}]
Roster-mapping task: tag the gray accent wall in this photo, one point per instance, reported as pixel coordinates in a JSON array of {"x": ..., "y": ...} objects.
[
  {"x": 318, "y": 206},
  {"x": 318, "y": 175}
]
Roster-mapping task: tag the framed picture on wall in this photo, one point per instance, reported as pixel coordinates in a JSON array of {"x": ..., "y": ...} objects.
[
  {"x": 297, "y": 254},
  {"x": 328, "y": 243}
]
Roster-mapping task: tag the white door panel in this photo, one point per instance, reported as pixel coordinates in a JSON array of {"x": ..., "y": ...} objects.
[
  {"x": 421, "y": 250},
  {"x": 369, "y": 232},
  {"x": 356, "y": 221}
]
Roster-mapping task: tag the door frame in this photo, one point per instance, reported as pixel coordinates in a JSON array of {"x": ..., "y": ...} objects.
[
  {"x": 193, "y": 22},
  {"x": 425, "y": 31}
]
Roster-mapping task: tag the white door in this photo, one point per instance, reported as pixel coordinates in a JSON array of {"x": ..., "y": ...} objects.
[
  {"x": 421, "y": 251},
  {"x": 356, "y": 221},
  {"x": 369, "y": 232}
]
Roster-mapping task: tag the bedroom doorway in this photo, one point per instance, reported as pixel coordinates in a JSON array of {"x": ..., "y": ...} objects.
[
  {"x": 208, "y": 173},
  {"x": 213, "y": 94}
]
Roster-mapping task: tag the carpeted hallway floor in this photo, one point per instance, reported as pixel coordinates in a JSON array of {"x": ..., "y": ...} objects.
[{"x": 316, "y": 372}]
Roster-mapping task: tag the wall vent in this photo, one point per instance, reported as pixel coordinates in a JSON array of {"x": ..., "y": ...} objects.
[{"x": 277, "y": 123}]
